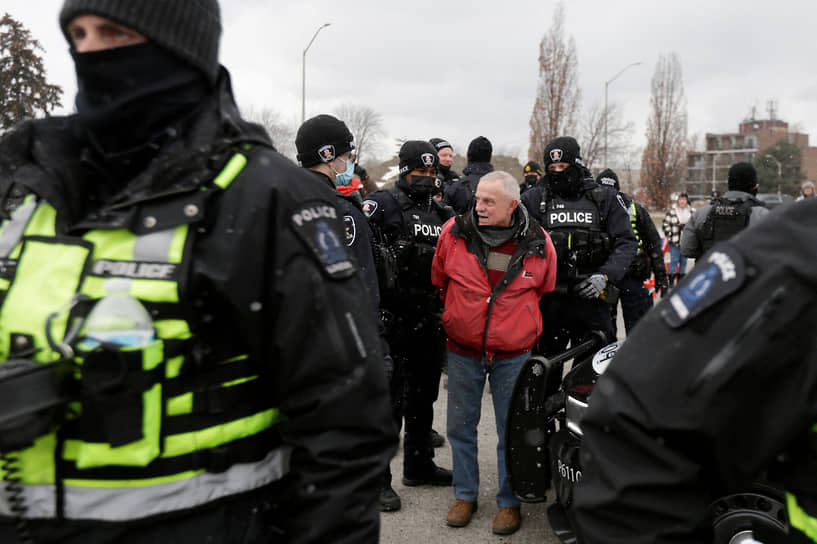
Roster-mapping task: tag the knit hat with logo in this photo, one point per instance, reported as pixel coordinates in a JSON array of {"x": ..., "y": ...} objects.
[
  {"x": 416, "y": 154},
  {"x": 188, "y": 28},
  {"x": 608, "y": 178},
  {"x": 563, "y": 149},
  {"x": 323, "y": 138}
]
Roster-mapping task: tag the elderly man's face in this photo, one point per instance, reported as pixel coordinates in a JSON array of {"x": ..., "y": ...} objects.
[
  {"x": 493, "y": 207},
  {"x": 93, "y": 33},
  {"x": 446, "y": 156}
]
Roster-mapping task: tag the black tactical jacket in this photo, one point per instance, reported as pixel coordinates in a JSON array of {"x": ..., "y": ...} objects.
[{"x": 259, "y": 283}]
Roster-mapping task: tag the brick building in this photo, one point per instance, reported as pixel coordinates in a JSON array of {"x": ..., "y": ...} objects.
[{"x": 707, "y": 170}]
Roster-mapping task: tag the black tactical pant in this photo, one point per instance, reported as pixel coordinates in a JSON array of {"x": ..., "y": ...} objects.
[
  {"x": 571, "y": 319},
  {"x": 635, "y": 302},
  {"x": 414, "y": 343}
]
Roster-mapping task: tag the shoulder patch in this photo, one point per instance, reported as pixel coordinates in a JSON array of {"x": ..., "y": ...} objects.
[
  {"x": 350, "y": 229},
  {"x": 369, "y": 207},
  {"x": 720, "y": 274},
  {"x": 317, "y": 225}
]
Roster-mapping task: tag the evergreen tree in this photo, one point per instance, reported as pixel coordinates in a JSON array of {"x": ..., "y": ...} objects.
[{"x": 24, "y": 91}]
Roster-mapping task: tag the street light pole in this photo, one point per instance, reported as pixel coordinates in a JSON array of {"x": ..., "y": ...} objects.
[
  {"x": 607, "y": 84},
  {"x": 303, "y": 72}
]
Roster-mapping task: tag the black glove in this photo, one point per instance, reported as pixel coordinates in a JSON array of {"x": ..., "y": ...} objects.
[
  {"x": 591, "y": 287},
  {"x": 661, "y": 284}
]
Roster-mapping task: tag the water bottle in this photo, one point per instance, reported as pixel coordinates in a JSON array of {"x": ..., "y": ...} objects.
[{"x": 118, "y": 319}]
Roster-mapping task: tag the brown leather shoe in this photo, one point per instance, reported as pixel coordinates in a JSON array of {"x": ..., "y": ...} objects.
[
  {"x": 507, "y": 521},
  {"x": 460, "y": 514}
]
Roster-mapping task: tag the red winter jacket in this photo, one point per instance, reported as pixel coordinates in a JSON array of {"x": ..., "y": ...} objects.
[{"x": 507, "y": 321}]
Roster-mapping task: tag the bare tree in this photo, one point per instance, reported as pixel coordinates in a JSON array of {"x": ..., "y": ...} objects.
[
  {"x": 24, "y": 91},
  {"x": 557, "y": 92},
  {"x": 280, "y": 132},
  {"x": 366, "y": 126},
  {"x": 664, "y": 159},
  {"x": 591, "y": 133}
]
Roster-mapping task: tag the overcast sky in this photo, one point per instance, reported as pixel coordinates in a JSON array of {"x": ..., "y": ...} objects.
[{"x": 460, "y": 69}]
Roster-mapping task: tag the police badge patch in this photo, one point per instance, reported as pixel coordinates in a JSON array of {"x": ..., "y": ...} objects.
[
  {"x": 556, "y": 155},
  {"x": 720, "y": 274},
  {"x": 317, "y": 225},
  {"x": 369, "y": 207},
  {"x": 351, "y": 231},
  {"x": 327, "y": 153},
  {"x": 427, "y": 159}
]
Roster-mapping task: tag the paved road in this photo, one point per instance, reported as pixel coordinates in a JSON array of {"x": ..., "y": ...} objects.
[{"x": 422, "y": 518}]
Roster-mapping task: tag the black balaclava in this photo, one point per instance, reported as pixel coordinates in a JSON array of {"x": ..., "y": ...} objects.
[
  {"x": 128, "y": 95},
  {"x": 568, "y": 182}
]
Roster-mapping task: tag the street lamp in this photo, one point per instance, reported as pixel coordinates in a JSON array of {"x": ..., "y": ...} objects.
[
  {"x": 303, "y": 72},
  {"x": 607, "y": 84}
]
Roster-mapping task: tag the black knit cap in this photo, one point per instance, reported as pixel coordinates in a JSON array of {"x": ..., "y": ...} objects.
[
  {"x": 440, "y": 144},
  {"x": 188, "y": 28},
  {"x": 416, "y": 154},
  {"x": 608, "y": 178},
  {"x": 480, "y": 150},
  {"x": 533, "y": 166},
  {"x": 323, "y": 138},
  {"x": 742, "y": 177},
  {"x": 563, "y": 149}
]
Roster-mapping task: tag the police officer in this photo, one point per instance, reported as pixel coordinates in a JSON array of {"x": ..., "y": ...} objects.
[
  {"x": 716, "y": 387},
  {"x": 727, "y": 215},
  {"x": 532, "y": 173},
  {"x": 594, "y": 243},
  {"x": 635, "y": 299},
  {"x": 410, "y": 219},
  {"x": 445, "y": 154},
  {"x": 325, "y": 146},
  {"x": 460, "y": 194},
  {"x": 216, "y": 429}
]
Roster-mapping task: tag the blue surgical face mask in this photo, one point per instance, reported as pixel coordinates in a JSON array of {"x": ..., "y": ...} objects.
[{"x": 345, "y": 178}]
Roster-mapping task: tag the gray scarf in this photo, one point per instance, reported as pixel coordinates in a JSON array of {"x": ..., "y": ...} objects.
[{"x": 496, "y": 236}]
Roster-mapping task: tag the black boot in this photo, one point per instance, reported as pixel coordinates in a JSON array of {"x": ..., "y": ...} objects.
[
  {"x": 437, "y": 440},
  {"x": 428, "y": 474},
  {"x": 389, "y": 500}
]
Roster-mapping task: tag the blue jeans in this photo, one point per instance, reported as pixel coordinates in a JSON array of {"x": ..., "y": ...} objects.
[
  {"x": 676, "y": 259},
  {"x": 466, "y": 382}
]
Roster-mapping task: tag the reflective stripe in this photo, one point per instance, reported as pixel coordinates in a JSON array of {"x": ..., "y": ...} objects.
[
  {"x": 13, "y": 231},
  {"x": 131, "y": 503},
  {"x": 229, "y": 173},
  {"x": 799, "y": 519}
]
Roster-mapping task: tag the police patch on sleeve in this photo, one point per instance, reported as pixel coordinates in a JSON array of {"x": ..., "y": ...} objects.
[
  {"x": 317, "y": 224},
  {"x": 369, "y": 207},
  {"x": 350, "y": 229},
  {"x": 720, "y": 274}
]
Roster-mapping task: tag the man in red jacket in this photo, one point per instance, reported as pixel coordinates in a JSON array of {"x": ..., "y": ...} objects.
[{"x": 492, "y": 265}]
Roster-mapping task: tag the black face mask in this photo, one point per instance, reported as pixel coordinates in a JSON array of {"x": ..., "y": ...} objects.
[
  {"x": 424, "y": 185},
  {"x": 127, "y": 95},
  {"x": 565, "y": 183},
  {"x": 531, "y": 180}
]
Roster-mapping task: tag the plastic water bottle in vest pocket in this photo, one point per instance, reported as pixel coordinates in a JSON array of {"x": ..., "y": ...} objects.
[{"x": 118, "y": 319}]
